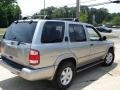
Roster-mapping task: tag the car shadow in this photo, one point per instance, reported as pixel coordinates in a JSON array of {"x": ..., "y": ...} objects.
[
  {"x": 81, "y": 80},
  {"x": 87, "y": 77}
]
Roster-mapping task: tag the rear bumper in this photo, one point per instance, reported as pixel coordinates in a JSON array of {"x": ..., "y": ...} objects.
[{"x": 31, "y": 74}]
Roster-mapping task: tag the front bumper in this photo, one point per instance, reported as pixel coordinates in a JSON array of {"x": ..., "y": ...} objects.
[{"x": 30, "y": 74}]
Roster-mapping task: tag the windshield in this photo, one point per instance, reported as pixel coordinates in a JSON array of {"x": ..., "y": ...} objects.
[{"x": 21, "y": 31}]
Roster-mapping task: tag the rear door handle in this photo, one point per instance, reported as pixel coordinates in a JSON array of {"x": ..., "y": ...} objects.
[{"x": 91, "y": 44}]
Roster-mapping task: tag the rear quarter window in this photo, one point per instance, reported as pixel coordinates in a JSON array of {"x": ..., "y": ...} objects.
[
  {"x": 77, "y": 33},
  {"x": 53, "y": 32}
]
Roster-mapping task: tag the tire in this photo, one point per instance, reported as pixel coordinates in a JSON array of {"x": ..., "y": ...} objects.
[
  {"x": 60, "y": 80},
  {"x": 109, "y": 59}
]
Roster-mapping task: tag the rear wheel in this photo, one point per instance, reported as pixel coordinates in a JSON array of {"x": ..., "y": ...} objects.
[
  {"x": 64, "y": 76},
  {"x": 109, "y": 59}
]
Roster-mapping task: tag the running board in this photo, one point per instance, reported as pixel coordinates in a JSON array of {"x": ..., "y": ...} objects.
[{"x": 88, "y": 66}]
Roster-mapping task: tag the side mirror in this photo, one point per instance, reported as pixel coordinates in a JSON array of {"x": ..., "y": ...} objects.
[{"x": 104, "y": 38}]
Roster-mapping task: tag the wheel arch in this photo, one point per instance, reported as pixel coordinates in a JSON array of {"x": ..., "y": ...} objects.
[
  {"x": 62, "y": 59},
  {"x": 66, "y": 57},
  {"x": 111, "y": 48}
]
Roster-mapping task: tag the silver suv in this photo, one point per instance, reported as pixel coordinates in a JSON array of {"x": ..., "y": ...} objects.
[{"x": 53, "y": 50}]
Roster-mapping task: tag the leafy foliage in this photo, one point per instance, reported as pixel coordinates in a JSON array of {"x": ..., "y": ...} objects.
[
  {"x": 8, "y": 12},
  {"x": 89, "y": 15},
  {"x": 116, "y": 21}
]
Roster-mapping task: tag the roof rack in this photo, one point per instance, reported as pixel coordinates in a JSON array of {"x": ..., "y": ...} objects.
[
  {"x": 68, "y": 19},
  {"x": 35, "y": 17},
  {"x": 46, "y": 17},
  {"x": 65, "y": 19}
]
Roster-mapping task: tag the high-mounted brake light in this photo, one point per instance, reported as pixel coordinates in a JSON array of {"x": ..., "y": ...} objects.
[{"x": 34, "y": 57}]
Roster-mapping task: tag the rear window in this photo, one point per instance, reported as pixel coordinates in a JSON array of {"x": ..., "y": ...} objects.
[
  {"x": 53, "y": 32},
  {"x": 21, "y": 31}
]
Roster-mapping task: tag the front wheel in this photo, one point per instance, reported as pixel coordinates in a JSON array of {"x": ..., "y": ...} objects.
[
  {"x": 64, "y": 76},
  {"x": 109, "y": 59}
]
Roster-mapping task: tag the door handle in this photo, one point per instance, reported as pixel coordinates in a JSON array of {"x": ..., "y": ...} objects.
[
  {"x": 66, "y": 39},
  {"x": 91, "y": 44}
]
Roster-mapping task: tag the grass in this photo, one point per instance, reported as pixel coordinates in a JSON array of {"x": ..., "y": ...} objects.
[{"x": 2, "y": 31}]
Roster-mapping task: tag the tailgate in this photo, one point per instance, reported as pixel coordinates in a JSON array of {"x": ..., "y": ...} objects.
[
  {"x": 16, "y": 53},
  {"x": 17, "y": 41}
]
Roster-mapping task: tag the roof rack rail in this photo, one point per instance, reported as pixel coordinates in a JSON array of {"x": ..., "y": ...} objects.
[
  {"x": 35, "y": 17},
  {"x": 24, "y": 18},
  {"x": 46, "y": 17},
  {"x": 27, "y": 17},
  {"x": 67, "y": 19}
]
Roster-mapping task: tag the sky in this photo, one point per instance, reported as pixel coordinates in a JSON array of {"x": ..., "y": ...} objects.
[{"x": 29, "y": 7}]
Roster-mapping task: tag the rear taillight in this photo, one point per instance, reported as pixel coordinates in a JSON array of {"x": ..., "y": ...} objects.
[{"x": 34, "y": 57}]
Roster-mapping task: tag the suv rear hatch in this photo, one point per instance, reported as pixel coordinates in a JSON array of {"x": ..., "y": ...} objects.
[{"x": 17, "y": 41}]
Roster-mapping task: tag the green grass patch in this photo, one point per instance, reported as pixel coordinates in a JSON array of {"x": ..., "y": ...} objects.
[{"x": 2, "y": 31}]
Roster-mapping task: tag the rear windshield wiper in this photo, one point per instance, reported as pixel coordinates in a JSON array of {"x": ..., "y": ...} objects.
[{"x": 20, "y": 42}]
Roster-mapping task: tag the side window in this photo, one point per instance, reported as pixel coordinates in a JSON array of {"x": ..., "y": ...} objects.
[
  {"x": 77, "y": 33},
  {"x": 93, "y": 35},
  {"x": 53, "y": 32}
]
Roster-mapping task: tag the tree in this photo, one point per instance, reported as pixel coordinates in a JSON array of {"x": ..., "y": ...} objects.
[
  {"x": 8, "y": 12},
  {"x": 3, "y": 16},
  {"x": 116, "y": 21},
  {"x": 84, "y": 14},
  {"x": 13, "y": 12},
  {"x": 89, "y": 15},
  {"x": 83, "y": 17}
]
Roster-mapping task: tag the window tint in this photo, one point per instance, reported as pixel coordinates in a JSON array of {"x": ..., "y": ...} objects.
[
  {"x": 53, "y": 32},
  {"x": 77, "y": 33},
  {"x": 22, "y": 31},
  {"x": 93, "y": 34}
]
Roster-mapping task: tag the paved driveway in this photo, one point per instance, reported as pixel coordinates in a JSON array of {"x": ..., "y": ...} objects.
[{"x": 96, "y": 78}]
